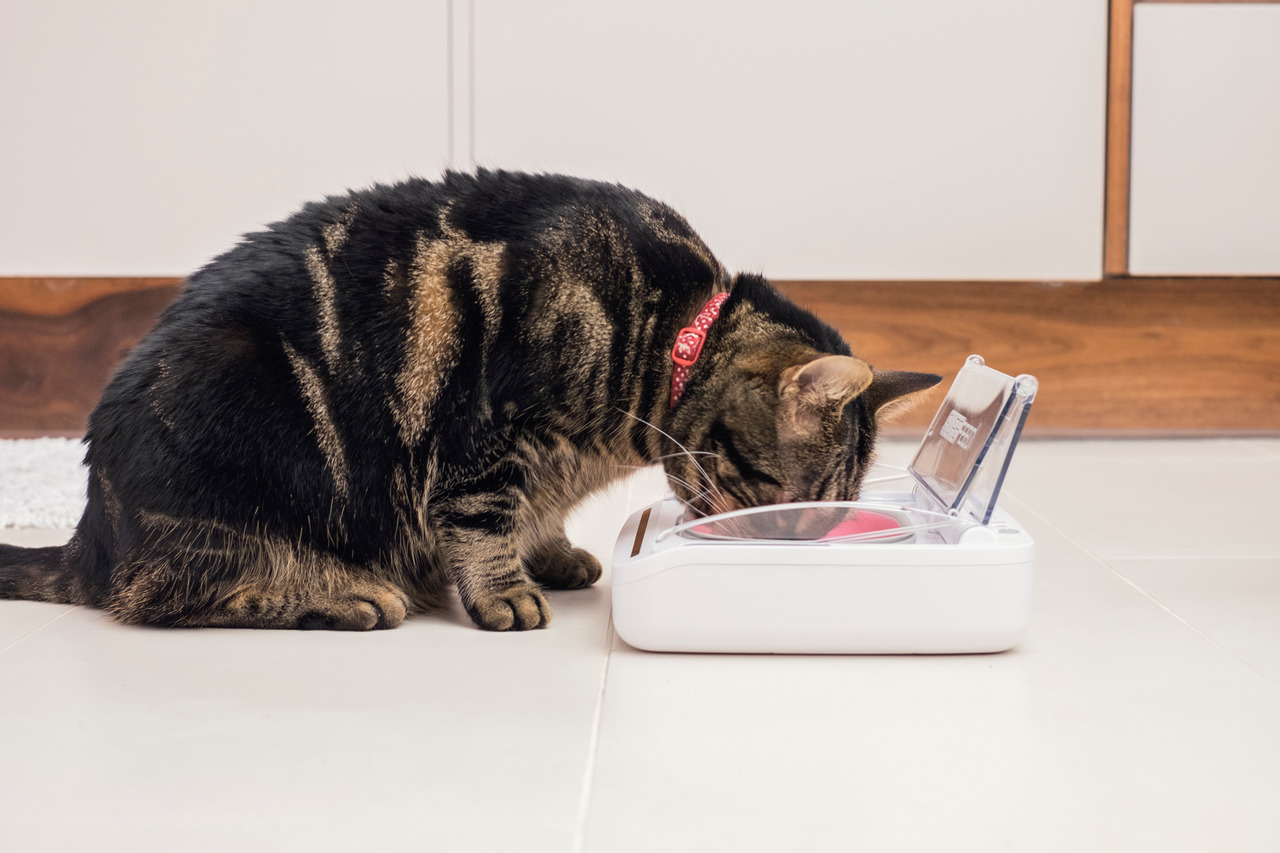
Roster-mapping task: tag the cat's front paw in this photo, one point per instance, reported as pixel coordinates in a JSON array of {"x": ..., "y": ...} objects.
[
  {"x": 562, "y": 566},
  {"x": 517, "y": 608}
]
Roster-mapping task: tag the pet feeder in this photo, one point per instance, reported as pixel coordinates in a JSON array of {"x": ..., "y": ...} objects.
[{"x": 934, "y": 567}]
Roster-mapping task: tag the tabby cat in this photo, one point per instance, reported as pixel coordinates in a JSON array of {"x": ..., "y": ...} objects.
[{"x": 407, "y": 388}]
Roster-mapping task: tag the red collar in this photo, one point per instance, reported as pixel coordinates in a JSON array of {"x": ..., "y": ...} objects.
[{"x": 689, "y": 344}]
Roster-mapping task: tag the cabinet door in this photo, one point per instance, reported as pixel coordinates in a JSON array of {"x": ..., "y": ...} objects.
[
  {"x": 1206, "y": 140},
  {"x": 920, "y": 140},
  {"x": 142, "y": 136}
]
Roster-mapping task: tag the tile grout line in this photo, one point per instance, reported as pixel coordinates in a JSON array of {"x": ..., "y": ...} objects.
[
  {"x": 38, "y": 628},
  {"x": 593, "y": 750},
  {"x": 1198, "y": 631},
  {"x": 1106, "y": 561},
  {"x": 1199, "y": 558},
  {"x": 1148, "y": 596},
  {"x": 579, "y": 842},
  {"x": 1266, "y": 452}
]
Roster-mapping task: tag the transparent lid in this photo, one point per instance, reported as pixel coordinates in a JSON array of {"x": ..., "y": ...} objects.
[
  {"x": 959, "y": 468},
  {"x": 962, "y": 460},
  {"x": 812, "y": 522}
]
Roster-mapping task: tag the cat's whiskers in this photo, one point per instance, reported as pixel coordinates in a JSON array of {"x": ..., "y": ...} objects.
[
  {"x": 684, "y": 451},
  {"x": 696, "y": 494},
  {"x": 699, "y": 494}
]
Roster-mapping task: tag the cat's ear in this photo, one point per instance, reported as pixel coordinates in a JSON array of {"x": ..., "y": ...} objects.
[
  {"x": 893, "y": 392},
  {"x": 820, "y": 389}
]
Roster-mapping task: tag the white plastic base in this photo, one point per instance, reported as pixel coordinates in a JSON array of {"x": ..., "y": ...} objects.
[{"x": 923, "y": 596}]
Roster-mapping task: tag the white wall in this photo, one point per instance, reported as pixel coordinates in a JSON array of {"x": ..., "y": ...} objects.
[
  {"x": 925, "y": 139},
  {"x": 877, "y": 139},
  {"x": 142, "y": 136},
  {"x": 1206, "y": 140}
]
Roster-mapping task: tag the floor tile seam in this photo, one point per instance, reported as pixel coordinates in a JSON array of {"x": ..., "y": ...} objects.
[
  {"x": 1117, "y": 555},
  {"x": 1194, "y": 558},
  {"x": 1267, "y": 451},
  {"x": 38, "y": 628},
  {"x": 1201, "y": 632},
  {"x": 579, "y": 841},
  {"x": 1154, "y": 443},
  {"x": 1106, "y": 555},
  {"x": 1043, "y": 519},
  {"x": 1092, "y": 555},
  {"x": 1241, "y": 456},
  {"x": 1014, "y": 496}
]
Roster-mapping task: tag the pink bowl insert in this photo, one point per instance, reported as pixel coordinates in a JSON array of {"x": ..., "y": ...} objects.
[{"x": 863, "y": 521}]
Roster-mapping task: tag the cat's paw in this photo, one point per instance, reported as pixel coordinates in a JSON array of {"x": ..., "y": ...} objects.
[
  {"x": 365, "y": 608},
  {"x": 517, "y": 608},
  {"x": 565, "y": 567}
]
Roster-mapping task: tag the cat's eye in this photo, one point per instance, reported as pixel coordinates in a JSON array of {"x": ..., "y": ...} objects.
[{"x": 765, "y": 478}]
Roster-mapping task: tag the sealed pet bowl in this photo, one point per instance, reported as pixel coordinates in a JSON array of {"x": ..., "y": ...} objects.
[{"x": 937, "y": 567}]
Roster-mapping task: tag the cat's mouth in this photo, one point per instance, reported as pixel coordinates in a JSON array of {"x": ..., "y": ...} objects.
[
  {"x": 706, "y": 501},
  {"x": 707, "y": 505},
  {"x": 807, "y": 524}
]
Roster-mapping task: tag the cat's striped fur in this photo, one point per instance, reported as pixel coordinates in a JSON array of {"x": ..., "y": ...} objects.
[{"x": 407, "y": 388}]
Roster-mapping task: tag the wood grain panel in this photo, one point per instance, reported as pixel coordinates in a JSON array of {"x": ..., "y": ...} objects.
[
  {"x": 1115, "y": 236},
  {"x": 1120, "y": 357},
  {"x": 60, "y": 341},
  {"x": 52, "y": 297}
]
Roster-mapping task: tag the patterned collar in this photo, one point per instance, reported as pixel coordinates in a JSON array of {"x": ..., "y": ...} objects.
[{"x": 689, "y": 345}]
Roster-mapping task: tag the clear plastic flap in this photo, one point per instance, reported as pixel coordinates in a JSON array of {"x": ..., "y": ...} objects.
[
  {"x": 812, "y": 522},
  {"x": 962, "y": 460},
  {"x": 959, "y": 469}
]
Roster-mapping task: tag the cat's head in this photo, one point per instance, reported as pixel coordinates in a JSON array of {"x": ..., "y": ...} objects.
[
  {"x": 778, "y": 409},
  {"x": 789, "y": 426}
]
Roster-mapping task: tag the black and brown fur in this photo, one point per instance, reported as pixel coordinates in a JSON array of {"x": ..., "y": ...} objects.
[{"x": 407, "y": 388}]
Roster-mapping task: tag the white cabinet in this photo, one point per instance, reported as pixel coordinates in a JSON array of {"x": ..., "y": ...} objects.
[
  {"x": 1206, "y": 140},
  {"x": 917, "y": 140},
  {"x": 142, "y": 136}
]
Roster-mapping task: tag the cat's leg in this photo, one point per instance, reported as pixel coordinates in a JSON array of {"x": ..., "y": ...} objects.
[
  {"x": 359, "y": 605},
  {"x": 421, "y": 574},
  {"x": 556, "y": 563},
  {"x": 478, "y": 539},
  {"x": 203, "y": 574},
  {"x": 157, "y": 593}
]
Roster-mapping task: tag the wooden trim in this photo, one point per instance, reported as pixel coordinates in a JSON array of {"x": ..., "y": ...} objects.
[
  {"x": 1115, "y": 238},
  {"x": 1121, "y": 357},
  {"x": 52, "y": 297},
  {"x": 60, "y": 341}
]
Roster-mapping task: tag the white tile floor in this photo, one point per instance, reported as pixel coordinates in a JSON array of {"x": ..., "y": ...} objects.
[{"x": 1142, "y": 712}]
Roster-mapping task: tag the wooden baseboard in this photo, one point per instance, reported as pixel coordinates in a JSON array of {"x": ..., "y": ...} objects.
[
  {"x": 60, "y": 341},
  {"x": 1121, "y": 357},
  {"x": 1125, "y": 356}
]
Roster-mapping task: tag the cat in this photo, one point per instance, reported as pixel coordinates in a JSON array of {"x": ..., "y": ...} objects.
[{"x": 405, "y": 389}]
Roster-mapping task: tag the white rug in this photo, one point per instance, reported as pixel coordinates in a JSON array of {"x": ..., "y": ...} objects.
[{"x": 42, "y": 483}]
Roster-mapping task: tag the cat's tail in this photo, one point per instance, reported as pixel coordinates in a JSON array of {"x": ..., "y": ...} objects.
[{"x": 35, "y": 574}]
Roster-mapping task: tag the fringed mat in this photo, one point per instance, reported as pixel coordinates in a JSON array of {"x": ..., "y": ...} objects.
[{"x": 42, "y": 483}]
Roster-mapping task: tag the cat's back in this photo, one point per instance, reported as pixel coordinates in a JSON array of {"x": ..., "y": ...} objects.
[
  {"x": 387, "y": 222},
  {"x": 309, "y": 357},
  {"x": 346, "y": 285}
]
